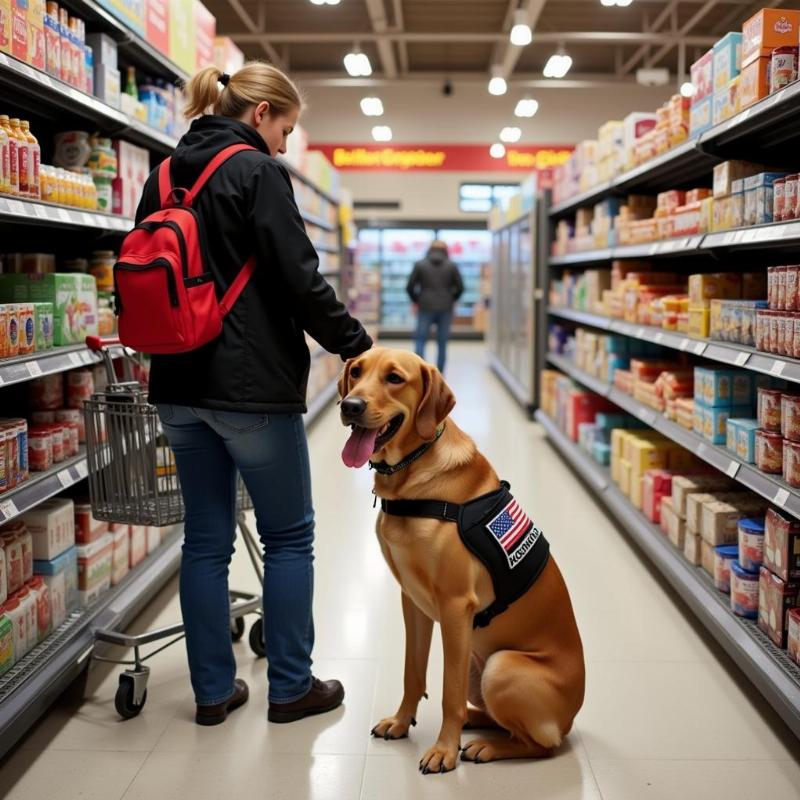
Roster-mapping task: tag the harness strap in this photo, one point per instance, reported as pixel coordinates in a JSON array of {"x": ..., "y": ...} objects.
[{"x": 433, "y": 509}]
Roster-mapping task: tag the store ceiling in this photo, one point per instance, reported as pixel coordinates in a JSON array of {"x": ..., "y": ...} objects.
[{"x": 409, "y": 40}]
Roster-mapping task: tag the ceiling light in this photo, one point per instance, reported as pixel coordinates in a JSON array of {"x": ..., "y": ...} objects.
[
  {"x": 624, "y": 3},
  {"x": 497, "y": 150},
  {"x": 620, "y": 3},
  {"x": 687, "y": 89},
  {"x": 526, "y": 107},
  {"x": 325, "y": 2},
  {"x": 372, "y": 106},
  {"x": 497, "y": 85},
  {"x": 382, "y": 133},
  {"x": 557, "y": 65},
  {"x": 521, "y": 33},
  {"x": 357, "y": 65},
  {"x": 510, "y": 135}
]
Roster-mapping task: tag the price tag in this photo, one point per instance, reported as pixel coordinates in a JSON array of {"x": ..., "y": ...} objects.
[
  {"x": 640, "y": 332},
  {"x": 684, "y": 345},
  {"x": 8, "y": 508},
  {"x": 83, "y": 468},
  {"x": 742, "y": 359},
  {"x": 659, "y": 338},
  {"x": 75, "y": 359},
  {"x": 63, "y": 215},
  {"x": 644, "y": 414},
  {"x": 777, "y": 368},
  {"x": 86, "y": 357},
  {"x": 781, "y": 496},
  {"x": 44, "y": 79},
  {"x": 732, "y": 469},
  {"x": 65, "y": 478},
  {"x": 3, "y": 59},
  {"x": 15, "y": 207},
  {"x": 699, "y": 348},
  {"x": 40, "y": 211},
  {"x": 34, "y": 369}
]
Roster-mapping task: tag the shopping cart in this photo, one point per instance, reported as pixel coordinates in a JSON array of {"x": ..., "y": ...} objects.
[{"x": 133, "y": 480}]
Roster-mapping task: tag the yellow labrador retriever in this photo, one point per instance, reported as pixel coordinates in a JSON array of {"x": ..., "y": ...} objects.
[{"x": 467, "y": 556}]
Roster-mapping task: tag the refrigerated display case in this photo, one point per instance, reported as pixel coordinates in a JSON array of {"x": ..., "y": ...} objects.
[{"x": 387, "y": 256}]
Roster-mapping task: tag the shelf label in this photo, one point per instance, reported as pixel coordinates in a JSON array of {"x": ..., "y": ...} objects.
[
  {"x": 645, "y": 415},
  {"x": 40, "y": 211},
  {"x": 34, "y": 369},
  {"x": 75, "y": 359},
  {"x": 639, "y": 333},
  {"x": 16, "y": 207},
  {"x": 684, "y": 345},
  {"x": 699, "y": 348},
  {"x": 777, "y": 368},
  {"x": 45, "y": 79},
  {"x": 63, "y": 215},
  {"x": 8, "y": 508},
  {"x": 742, "y": 359},
  {"x": 86, "y": 357},
  {"x": 781, "y": 496},
  {"x": 65, "y": 478},
  {"x": 659, "y": 337},
  {"x": 83, "y": 468},
  {"x": 732, "y": 469}
]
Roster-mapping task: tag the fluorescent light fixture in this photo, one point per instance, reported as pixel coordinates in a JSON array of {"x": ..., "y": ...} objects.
[
  {"x": 557, "y": 65},
  {"x": 521, "y": 33},
  {"x": 624, "y": 3},
  {"x": 372, "y": 106},
  {"x": 357, "y": 65},
  {"x": 497, "y": 150},
  {"x": 325, "y": 2},
  {"x": 526, "y": 107},
  {"x": 687, "y": 89},
  {"x": 510, "y": 135},
  {"x": 382, "y": 133},
  {"x": 620, "y": 3},
  {"x": 497, "y": 85}
]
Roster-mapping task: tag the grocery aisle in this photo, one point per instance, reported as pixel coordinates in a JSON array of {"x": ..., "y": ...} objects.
[{"x": 664, "y": 717}]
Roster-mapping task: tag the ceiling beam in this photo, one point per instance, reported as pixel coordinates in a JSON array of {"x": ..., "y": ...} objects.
[
  {"x": 257, "y": 29},
  {"x": 688, "y": 25},
  {"x": 654, "y": 27},
  {"x": 377, "y": 17},
  {"x": 400, "y": 24},
  {"x": 509, "y": 54},
  {"x": 574, "y": 37}
]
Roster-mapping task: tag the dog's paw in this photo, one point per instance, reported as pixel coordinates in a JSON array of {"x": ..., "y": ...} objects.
[
  {"x": 479, "y": 751},
  {"x": 440, "y": 758},
  {"x": 393, "y": 727}
]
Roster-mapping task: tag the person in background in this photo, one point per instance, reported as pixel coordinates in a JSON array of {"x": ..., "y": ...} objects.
[
  {"x": 235, "y": 405},
  {"x": 434, "y": 287}
]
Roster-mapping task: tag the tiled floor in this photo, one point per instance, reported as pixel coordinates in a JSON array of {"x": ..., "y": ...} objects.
[{"x": 666, "y": 715}]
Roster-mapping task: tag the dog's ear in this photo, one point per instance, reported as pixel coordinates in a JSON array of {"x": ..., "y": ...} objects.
[
  {"x": 344, "y": 379},
  {"x": 437, "y": 402}
]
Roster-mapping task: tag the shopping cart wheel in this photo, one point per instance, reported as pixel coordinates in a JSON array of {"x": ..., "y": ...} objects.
[
  {"x": 257, "y": 638},
  {"x": 237, "y": 628},
  {"x": 124, "y": 700}
]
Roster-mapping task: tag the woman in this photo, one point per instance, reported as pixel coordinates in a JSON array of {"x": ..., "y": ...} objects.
[
  {"x": 434, "y": 286},
  {"x": 236, "y": 404}
]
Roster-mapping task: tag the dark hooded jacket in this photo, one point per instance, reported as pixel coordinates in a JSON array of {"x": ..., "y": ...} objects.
[
  {"x": 260, "y": 363},
  {"x": 435, "y": 283}
]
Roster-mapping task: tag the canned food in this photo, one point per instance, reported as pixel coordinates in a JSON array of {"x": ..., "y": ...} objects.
[
  {"x": 774, "y": 332},
  {"x": 780, "y": 292},
  {"x": 724, "y": 556},
  {"x": 792, "y": 287},
  {"x": 751, "y": 543},
  {"x": 769, "y": 452},
  {"x": 791, "y": 462},
  {"x": 57, "y": 432},
  {"x": 783, "y": 67},
  {"x": 790, "y": 417},
  {"x": 762, "y": 330},
  {"x": 744, "y": 592},
  {"x": 47, "y": 394},
  {"x": 80, "y": 387},
  {"x": 40, "y": 448},
  {"x": 790, "y": 196},
  {"x": 73, "y": 416}
]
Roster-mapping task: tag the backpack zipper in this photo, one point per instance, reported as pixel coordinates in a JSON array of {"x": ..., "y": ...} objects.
[{"x": 159, "y": 262}]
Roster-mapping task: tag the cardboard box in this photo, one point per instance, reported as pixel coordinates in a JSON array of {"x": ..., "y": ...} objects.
[
  {"x": 702, "y": 116},
  {"x": 674, "y": 526},
  {"x": 19, "y": 29},
  {"x": 782, "y": 545},
  {"x": 754, "y": 82},
  {"x": 157, "y": 25},
  {"x": 131, "y": 12},
  {"x": 94, "y": 564},
  {"x": 36, "y": 44},
  {"x": 727, "y": 60},
  {"x": 684, "y": 485},
  {"x": 766, "y": 30},
  {"x": 775, "y": 598},
  {"x": 52, "y": 46},
  {"x": 793, "y": 635},
  {"x": 702, "y": 76},
  {"x": 182, "y": 48},
  {"x": 107, "y": 85},
  {"x": 694, "y": 511},
  {"x": 5, "y": 26},
  {"x": 61, "y": 576},
  {"x": 87, "y": 528},
  {"x": 52, "y": 526},
  {"x": 138, "y": 544},
  {"x": 120, "y": 558},
  {"x": 717, "y": 285},
  {"x": 692, "y": 549},
  {"x": 205, "y": 30},
  {"x": 227, "y": 56},
  {"x": 707, "y": 557}
]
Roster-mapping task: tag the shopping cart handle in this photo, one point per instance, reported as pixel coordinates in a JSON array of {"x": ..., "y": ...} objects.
[{"x": 97, "y": 343}]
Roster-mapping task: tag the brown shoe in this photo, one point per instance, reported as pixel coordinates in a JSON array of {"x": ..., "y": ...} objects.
[
  {"x": 218, "y": 713},
  {"x": 323, "y": 696}
]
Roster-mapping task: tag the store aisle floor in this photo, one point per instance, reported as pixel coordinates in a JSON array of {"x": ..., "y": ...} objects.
[{"x": 666, "y": 716}]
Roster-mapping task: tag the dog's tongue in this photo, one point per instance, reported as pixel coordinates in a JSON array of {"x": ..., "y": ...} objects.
[{"x": 359, "y": 447}]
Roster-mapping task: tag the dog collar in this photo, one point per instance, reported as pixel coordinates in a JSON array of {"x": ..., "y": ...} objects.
[{"x": 382, "y": 468}]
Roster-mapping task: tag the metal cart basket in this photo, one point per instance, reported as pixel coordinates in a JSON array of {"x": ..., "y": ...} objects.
[{"x": 133, "y": 480}]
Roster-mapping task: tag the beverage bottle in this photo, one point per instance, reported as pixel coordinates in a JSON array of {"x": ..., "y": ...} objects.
[
  {"x": 5, "y": 167},
  {"x": 34, "y": 160},
  {"x": 13, "y": 159},
  {"x": 130, "y": 84}
]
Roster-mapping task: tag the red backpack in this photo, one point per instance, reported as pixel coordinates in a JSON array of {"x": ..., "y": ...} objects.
[{"x": 166, "y": 297}]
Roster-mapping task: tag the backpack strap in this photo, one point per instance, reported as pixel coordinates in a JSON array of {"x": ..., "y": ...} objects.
[
  {"x": 164, "y": 182},
  {"x": 212, "y": 166},
  {"x": 238, "y": 286}
]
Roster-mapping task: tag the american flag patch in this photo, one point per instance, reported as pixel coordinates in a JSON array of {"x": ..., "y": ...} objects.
[{"x": 513, "y": 530}]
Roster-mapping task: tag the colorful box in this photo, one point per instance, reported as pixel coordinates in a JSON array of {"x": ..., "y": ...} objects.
[
  {"x": 701, "y": 117},
  {"x": 699, "y": 322},
  {"x": 717, "y": 285},
  {"x": 131, "y": 12},
  {"x": 702, "y": 75},
  {"x": 157, "y": 24},
  {"x": 775, "y": 598},
  {"x": 52, "y": 526},
  {"x": 5, "y": 26},
  {"x": 61, "y": 576},
  {"x": 182, "y": 49},
  {"x": 793, "y": 635},
  {"x": 43, "y": 325},
  {"x": 36, "y": 39},
  {"x": 205, "y": 29},
  {"x": 782, "y": 545},
  {"x": 727, "y": 60},
  {"x": 754, "y": 82},
  {"x": 19, "y": 29},
  {"x": 227, "y": 56},
  {"x": 766, "y": 30},
  {"x": 746, "y": 440}
]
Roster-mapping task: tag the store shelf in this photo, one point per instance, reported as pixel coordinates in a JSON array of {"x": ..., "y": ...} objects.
[
  {"x": 681, "y": 166},
  {"x": 516, "y": 389},
  {"x": 42, "y": 486},
  {"x": 584, "y": 199},
  {"x": 35, "y": 89},
  {"x": 28, "y": 689},
  {"x": 306, "y": 180},
  {"x": 50, "y": 362},
  {"x": 320, "y": 403},
  {"x": 734, "y": 355},
  {"x": 771, "y": 487},
  {"x": 326, "y": 248},
  {"x": 585, "y": 257},
  {"x": 768, "y": 667},
  {"x": 35, "y": 212},
  {"x": 775, "y": 236},
  {"x": 311, "y": 219},
  {"x": 679, "y": 246}
]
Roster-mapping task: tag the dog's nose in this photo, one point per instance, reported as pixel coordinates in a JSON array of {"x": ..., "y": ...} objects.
[{"x": 353, "y": 408}]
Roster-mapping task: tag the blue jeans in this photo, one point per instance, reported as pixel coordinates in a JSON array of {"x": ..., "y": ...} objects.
[
  {"x": 442, "y": 320},
  {"x": 271, "y": 453}
]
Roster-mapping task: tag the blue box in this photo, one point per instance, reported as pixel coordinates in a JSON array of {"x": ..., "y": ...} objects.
[
  {"x": 743, "y": 391},
  {"x": 746, "y": 440},
  {"x": 715, "y": 422},
  {"x": 727, "y": 59},
  {"x": 67, "y": 563},
  {"x": 701, "y": 116},
  {"x": 716, "y": 386},
  {"x": 601, "y": 452}
]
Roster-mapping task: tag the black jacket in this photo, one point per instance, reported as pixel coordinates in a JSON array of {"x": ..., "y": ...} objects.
[
  {"x": 260, "y": 363},
  {"x": 435, "y": 282}
]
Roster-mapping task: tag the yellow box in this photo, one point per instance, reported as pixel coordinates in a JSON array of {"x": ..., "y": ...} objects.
[
  {"x": 723, "y": 214},
  {"x": 706, "y": 214},
  {"x": 625, "y": 477},
  {"x": 754, "y": 82},
  {"x": 636, "y": 490},
  {"x": 717, "y": 285},
  {"x": 699, "y": 321}
]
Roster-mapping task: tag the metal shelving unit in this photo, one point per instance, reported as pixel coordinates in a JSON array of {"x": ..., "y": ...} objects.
[
  {"x": 49, "y": 215},
  {"x": 768, "y": 667}
]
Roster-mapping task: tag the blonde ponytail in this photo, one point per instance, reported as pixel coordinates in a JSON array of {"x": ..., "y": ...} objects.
[{"x": 254, "y": 83}]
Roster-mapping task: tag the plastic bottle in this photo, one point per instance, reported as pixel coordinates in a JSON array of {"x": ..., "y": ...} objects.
[
  {"x": 34, "y": 161},
  {"x": 5, "y": 166},
  {"x": 13, "y": 160},
  {"x": 23, "y": 157},
  {"x": 130, "y": 84}
]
